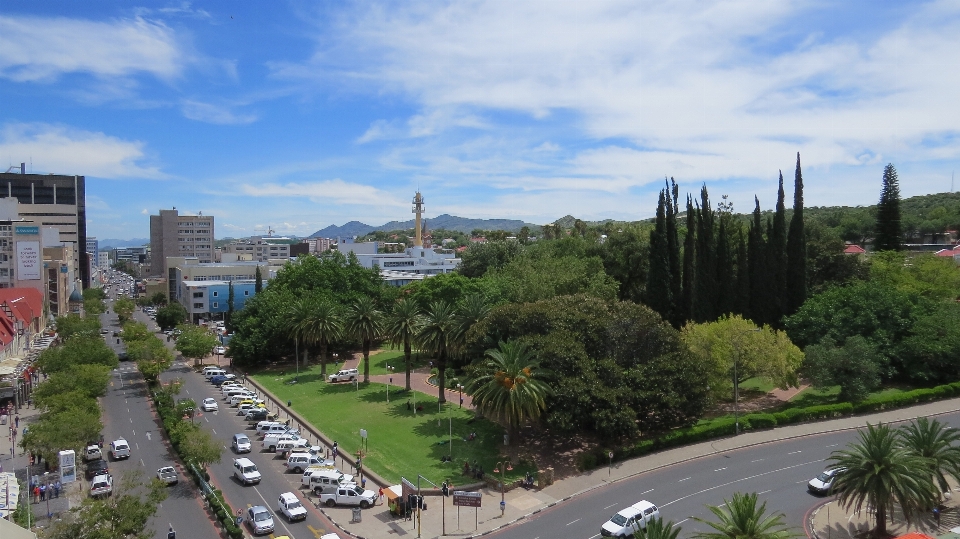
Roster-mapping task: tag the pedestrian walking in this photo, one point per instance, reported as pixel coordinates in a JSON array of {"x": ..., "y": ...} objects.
[
  {"x": 16, "y": 421},
  {"x": 56, "y": 488},
  {"x": 380, "y": 494},
  {"x": 43, "y": 492},
  {"x": 172, "y": 534},
  {"x": 36, "y": 494}
]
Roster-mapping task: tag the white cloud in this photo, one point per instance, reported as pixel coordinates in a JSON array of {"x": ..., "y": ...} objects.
[
  {"x": 144, "y": 212},
  {"x": 332, "y": 191},
  {"x": 214, "y": 114},
  {"x": 66, "y": 150},
  {"x": 42, "y": 49}
]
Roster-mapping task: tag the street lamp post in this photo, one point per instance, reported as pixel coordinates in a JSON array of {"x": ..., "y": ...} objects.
[
  {"x": 390, "y": 369},
  {"x": 501, "y": 468},
  {"x": 460, "y": 389}
]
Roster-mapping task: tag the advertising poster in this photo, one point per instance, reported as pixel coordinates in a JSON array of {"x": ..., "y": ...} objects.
[{"x": 29, "y": 260}]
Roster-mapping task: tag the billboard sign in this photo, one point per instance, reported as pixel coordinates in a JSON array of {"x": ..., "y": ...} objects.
[
  {"x": 34, "y": 230},
  {"x": 463, "y": 498},
  {"x": 28, "y": 260},
  {"x": 68, "y": 466}
]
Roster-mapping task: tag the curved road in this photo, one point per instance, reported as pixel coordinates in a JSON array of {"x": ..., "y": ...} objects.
[{"x": 778, "y": 471}]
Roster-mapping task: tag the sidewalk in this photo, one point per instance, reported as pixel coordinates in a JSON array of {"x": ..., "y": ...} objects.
[
  {"x": 521, "y": 503},
  {"x": 419, "y": 381}
]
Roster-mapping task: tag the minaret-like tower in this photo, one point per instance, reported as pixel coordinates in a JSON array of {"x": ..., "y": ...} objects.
[{"x": 418, "y": 209}]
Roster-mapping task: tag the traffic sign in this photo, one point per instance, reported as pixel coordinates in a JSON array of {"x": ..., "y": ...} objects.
[{"x": 463, "y": 498}]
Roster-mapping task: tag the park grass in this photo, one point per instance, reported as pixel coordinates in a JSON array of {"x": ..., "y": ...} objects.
[{"x": 399, "y": 443}]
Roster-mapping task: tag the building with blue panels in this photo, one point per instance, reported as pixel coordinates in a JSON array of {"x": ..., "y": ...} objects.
[{"x": 207, "y": 300}]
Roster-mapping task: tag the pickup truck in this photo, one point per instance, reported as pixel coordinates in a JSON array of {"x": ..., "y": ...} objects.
[
  {"x": 168, "y": 475},
  {"x": 289, "y": 506},
  {"x": 271, "y": 441},
  {"x": 102, "y": 485},
  {"x": 349, "y": 495}
]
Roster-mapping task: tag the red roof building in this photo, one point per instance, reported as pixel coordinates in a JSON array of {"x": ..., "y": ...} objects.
[{"x": 854, "y": 250}]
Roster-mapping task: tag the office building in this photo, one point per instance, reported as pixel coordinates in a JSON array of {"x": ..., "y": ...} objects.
[
  {"x": 175, "y": 235},
  {"x": 259, "y": 249},
  {"x": 53, "y": 200}
]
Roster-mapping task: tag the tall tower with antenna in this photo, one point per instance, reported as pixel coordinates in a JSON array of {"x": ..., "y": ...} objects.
[{"x": 418, "y": 209}]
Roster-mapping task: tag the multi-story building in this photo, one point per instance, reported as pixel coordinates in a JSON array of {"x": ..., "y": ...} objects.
[
  {"x": 259, "y": 248},
  {"x": 53, "y": 200},
  {"x": 103, "y": 259},
  {"x": 175, "y": 235},
  {"x": 207, "y": 300},
  {"x": 191, "y": 269}
]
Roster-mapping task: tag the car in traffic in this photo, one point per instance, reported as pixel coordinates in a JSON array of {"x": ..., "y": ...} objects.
[
  {"x": 241, "y": 443},
  {"x": 209, "y": 405},
  {"x": 348, "y": 375},
  {"x": 245, "y": 471},
  {"x": 168, "y": 475},
  {"x": 823, "y": 483},
  {"x": 119, "y": 449},
  {"x": 259, "y": 520},
  {"x": 289, "y": 506},
  {"x": 626, "y": 522},
  {"x": 219, "y": 350}
]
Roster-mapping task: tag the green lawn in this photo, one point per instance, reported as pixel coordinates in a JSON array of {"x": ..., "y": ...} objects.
[{"x": 399, "y": 442}]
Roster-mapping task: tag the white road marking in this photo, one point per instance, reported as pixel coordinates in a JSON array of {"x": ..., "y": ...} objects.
[
  {"x": 646, "y": 491},
  {"x": 720, "y": 469},
  {"x": 764, "y": 492},
  {"x": 721, "y": 505},
  {"x": 758, "y": 460},
  {"x": 205, "y": 418},
  {"x": 682, "y": 521},
  {"x": 682, "y": 480},
  {"x": 131, "y": 420},
  {"x": 833, "y": 445},
  {"x": 187, "y": 390},
  {"x": 214, "y": 430},
  {"x": 794, "y": 452},
  {"x": 740, "y": 480},
  {"x": 609, "y": 506},
  {"x": 134, "y": 432},
  {"x": 267, "y": 504},
  {"x": 141, "y": 463},
  {"x": 138, "y": 445},
  {"x": 147, "y": 434},
  {"x": 568, "y": 523}
]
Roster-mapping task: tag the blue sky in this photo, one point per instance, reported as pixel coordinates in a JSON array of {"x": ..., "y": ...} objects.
[{"x": 297, "y": 115}]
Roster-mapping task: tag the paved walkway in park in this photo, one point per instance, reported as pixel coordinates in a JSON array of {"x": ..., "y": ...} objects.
[{"x": 419, "y": 381}]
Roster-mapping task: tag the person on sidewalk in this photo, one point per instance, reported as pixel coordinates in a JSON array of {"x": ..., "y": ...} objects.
[
  {"x": 43, "y": 492},
  {"x": 56, "y": 488},
  {"x": 36, "y": 494}
]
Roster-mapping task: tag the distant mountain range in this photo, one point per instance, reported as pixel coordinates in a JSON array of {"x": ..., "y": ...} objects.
[
  {"x": 445, "y": 221},
  {"x": 110, "y": 243}
]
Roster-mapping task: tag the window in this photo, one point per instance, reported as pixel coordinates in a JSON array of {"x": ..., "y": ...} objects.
[
  {"x": 198, "y": 305},
  {"x": 215, "y": 294},
  {"x": 215, "y": 304},
  {"x": 198, "y": 294},
  {"x": 246, "y": 292}
]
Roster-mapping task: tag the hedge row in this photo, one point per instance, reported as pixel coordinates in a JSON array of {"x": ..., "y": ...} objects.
[
  {"x": 726, "y": 426},
  {"x": 170, "y": 419}
]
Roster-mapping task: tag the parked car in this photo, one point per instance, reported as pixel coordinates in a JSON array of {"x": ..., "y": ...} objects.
[
  {"x": 259, "y": 520},
  {"x": 168, "y": 475},
  {"x": 823, "y": 483},
  {"x": 92, "y": 452},
  {"x": 102, "y": 485},
  {"x": 95, "y": 468},
  {"x": 289, "y": 506},
  {"x": 345, "y": 374},
  {"x": 257, "y": 414},
  {"x": 349, "y": 495}
]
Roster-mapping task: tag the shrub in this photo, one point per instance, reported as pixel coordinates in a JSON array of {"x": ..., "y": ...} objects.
[{"x": 759, "y": 421}]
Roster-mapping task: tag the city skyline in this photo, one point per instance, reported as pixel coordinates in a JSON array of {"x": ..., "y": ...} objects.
[{"x": 296, "y": 116}]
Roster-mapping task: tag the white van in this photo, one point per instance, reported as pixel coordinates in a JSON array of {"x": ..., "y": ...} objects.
[
  {"x": 208, "y": 374},
  {"x": 628, "y": 521},
  {"x": 233, "y": 392},
  {"x": 278, "y": 428},
  {"x": 326, "y": 482},
  {"x": 286, "y": 446},
  {"x": 207, "y": 369},
  {"x": 305, "y": 477},
  {"x": 300, "y": 461},
  {"x": 270, "y": 441},
  {"x": 264, "y": 425},
  {"x": 246, "y": 471}
]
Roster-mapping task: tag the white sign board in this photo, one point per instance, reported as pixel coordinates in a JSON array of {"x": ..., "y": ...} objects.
[
  {"x": 68, "y": 466},
  {"x": 29, "y": 260}
]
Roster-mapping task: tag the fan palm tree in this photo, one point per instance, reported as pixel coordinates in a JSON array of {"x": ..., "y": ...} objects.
[
  {"x": 439, "y": 324},
  {"x": 471, "y": 310},
  {"x": 657, "y": 529},
  {"x": 365, "y": 322},
  {"x": 741, "y": 518},
  {"x": 320, "y": 324},
  {"x": 512, "y": 388},
  {"x": 879, "y": 472},
  {"x": 297, "y": 327},
  {"x": 933, "y": 442},
  {"x": 403, "y": 325}
]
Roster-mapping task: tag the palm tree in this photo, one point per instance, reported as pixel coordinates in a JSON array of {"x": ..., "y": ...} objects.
[
  {"x": 296, "y": 325},
  {"x": 879, "y": 472},
  {"x": 740, "y": 518},
  {"x": 511, "y": 389},
  {"x": 403, "y": 325},
  {"x": 365, "y": 322},
  {"x": 934, "y": 443},
  {"x": 320, "y": 324},
  {"x": 656, "y": 529},
  {"x": 471, "y": 310},
  {"x": 435, "y": 335}
]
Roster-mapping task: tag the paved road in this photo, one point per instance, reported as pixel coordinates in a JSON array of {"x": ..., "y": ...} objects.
[
  {"x": 777, "y": 471},
  {"x": 128, "y": 414}
]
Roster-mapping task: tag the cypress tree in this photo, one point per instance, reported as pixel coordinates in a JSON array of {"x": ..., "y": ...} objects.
[
  {"x": 796, "y": 249},
  {"x": 888, "y": 234},
  {"x": 757, "y": 266},
  {"x": 689, "y": 296},
  {"x": 726, "y": 289},
  {"x": 657, "y": 293},
  {"x": 705, "y": 308},
  {"x": 228, "y": 318},
  {"x": 743, "y": 277},
  {"x": 673, "y": 249},
  {"x": 777, "y": 255},
  {"x": 258, "y": 283}
]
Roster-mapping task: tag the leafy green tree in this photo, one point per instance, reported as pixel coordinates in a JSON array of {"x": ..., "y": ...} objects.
[
  {"x": 89, "y": 379},
  {"x": 757, "y": 267},
  {"x": 152, "y": 357},
  {"x": 171, "y": 316},
  {"x": 67, "y": 429},
  {"x": 449, "y": 287},
  {"x": 881, "y": 473},
  {"x": 925, "y": 275},
  {"x": 78, "y": 350},
  {"x": 365, "y": 322},
  {"x": 888, "y": 234},
  {"x": 936, "y": 444},
  {"x": 402, "y": 327},
  {"x": 777, "y": 262},
  {"x": 436, "y": 334},
  {"x": 124, "y": 308},
  {"x": 796, "y": 276},
  {"x": 741, "y": 518},
  {"x": 532, "y": 278},
  {"x": 195, "y": 342},
  {"x": 511, "y": 389},
  {"x": 689, "y": 294},
  {"x": 855, "y": 367},
  {"x": 479, "y": 258},
  {"x": 826, "y": 262},
  {"x": 931, "y": 353},
  {"x": 124, "y": 515},
  {"x": 93, "y": 301},
  {"x": 73, "y": 324},
  {"x": 158, "y": 299},
  {"x": 705, "y": 282},
  {"x": 658, "y": 529},
  {"x": 734, "y": 344},
  {"x": 135, "y": 331},
  {"x": 624, "y": 257},
  {"x": 200, "y": 447}
]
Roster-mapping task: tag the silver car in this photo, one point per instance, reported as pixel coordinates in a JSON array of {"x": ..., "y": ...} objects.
[{"x": 260, "y": 520}]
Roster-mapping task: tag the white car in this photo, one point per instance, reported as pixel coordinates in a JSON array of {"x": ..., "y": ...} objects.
[
  {"x": 345, "y": 374},
  {"x": 209, "y": 405},
  {"x": 220, "y": 350},
  {"x": 823, "y": 483},
  {"x": 289, "y": 506},
  {"x": 119, "y": 449},
  {"x": 246, "y": 471},
  {"x": 630, "y": 520}
]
